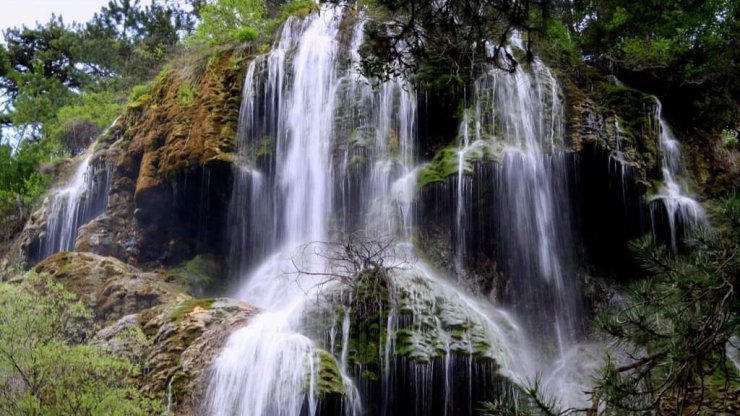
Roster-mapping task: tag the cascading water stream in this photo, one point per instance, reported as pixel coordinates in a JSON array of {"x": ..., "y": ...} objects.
[
  {"x": 82, "y": 199},
  {"x": 268, "y": 367},
  {"x": 682, "y": 211},
  {"x": 323, "y": 152},
  {"x": 518, "y": 122}
]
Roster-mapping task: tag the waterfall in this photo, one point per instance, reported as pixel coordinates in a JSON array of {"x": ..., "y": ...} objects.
[
  {"x": 682, "y": 211},
  {"x": 517, "y": 121},
  {"x": 268, "y": 367},
  {"x": 82, "y": 199},
  {"x": 322, "y": 153}
]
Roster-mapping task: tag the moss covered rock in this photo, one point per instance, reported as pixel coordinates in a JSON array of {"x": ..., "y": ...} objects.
[
  {"x": 110, "y": 287},
  {"x": 172, "y": 151},
  {"x": 177, "y": 344}
]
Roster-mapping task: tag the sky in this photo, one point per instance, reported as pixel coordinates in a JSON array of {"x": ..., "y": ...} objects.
[{"x": 28, "y": 12}]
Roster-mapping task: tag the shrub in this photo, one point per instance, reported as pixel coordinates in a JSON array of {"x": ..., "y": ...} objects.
[{"x": 45, "y": 367}]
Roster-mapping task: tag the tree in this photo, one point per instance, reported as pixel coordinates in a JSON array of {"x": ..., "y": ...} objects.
[
  {"x": 45, "y": 367},
  {"x": 38, "y": 71},
  {"x": 682, "y": 49},
  {"x": 47, "y": 50},
  {"x": 677, "y": 322},
  {"x": 450, "y": 38},
  {"x": 130, "y": 41},
  {"x": 224, "y": 21}
]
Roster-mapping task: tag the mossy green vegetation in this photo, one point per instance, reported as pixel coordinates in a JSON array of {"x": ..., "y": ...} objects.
[
  {"x": 199, "y": 274},
  {"x": 446, "y": 161},
  {"x": 426, "y": 323},
  {"x": 329, "y": 377},
  {"x": 635, "y": 112},
  {"x": 186, "y": 95},
  {"x": 444, "y": 164},
  {"x": 187, "y": 306}
]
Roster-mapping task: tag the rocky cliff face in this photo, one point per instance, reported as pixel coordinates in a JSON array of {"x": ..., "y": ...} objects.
[
  {"x": 170, "y": 155},
  {"x": 110, "y": 287}
]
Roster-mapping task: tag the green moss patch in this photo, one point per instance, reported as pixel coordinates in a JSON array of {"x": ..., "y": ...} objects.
[
  {"x": 444, "y": 164},
  {"x": 330, "y": 378},
  {"x": 199, "y": 274},
  {"x": 185, "y": 307}
]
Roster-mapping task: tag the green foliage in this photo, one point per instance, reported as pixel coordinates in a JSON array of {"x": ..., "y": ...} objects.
[
  {"x": 330, "y": 379},
  {"x": 77, "y": 124},
  {"x": 503, "y": 406},
  {"x": 45, "y": 369},
  {"x": 228, "y": 21},
  {"x": 461, "y": 31},
  {"x": 676, "y": 322},
  {"x": 138, "y": 91},
  {"x": 444, "y": 164},
  {"x": 21, "y": 181},
  {"x": 647, "y": 54},
  {"x": 298, "y": 8},
  {"x": 682, "y": 48},
  {"x": 558, "y": 46},
  {"x": 64, "y": 84},
  {"x": 528, "y": 400},
  {"x": 186, "y": 95}
]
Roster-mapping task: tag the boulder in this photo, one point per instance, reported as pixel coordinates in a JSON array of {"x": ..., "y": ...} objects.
[{"x": 111, "y": 288}]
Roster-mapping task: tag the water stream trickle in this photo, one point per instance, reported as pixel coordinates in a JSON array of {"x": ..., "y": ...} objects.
[
  {"x": 682, "y": 211},
  {"x": 518, "y": 121},
  {"x": 80, "y": 200}
]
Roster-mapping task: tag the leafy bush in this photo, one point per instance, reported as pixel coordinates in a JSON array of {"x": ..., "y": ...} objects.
[
  {"x": 299, "y": 8},
  {"x": 186, "y": 95},
  {"x": 94, "y": 109},
  {"x": 138, "y": 91},
  {"x": 21, "y": 181},
  {"x": 45, "y": 369}
]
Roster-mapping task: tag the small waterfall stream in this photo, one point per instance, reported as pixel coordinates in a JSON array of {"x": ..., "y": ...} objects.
[
  {"x": 75, "y": 204},
  {"x": 682, "y": 211},
  {"x": 517, "y": 122}
]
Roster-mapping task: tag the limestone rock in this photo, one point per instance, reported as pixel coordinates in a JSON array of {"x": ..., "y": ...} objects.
[
  {"x": 110, "y": 287},
  {"x": 182, "y": 338}
]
